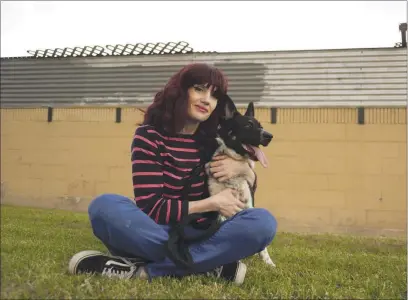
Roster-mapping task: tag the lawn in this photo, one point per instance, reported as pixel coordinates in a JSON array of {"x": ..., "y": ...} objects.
[{"x": 36, "y": 246}]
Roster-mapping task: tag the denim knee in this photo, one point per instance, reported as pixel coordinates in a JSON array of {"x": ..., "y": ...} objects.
[
  {"x": 102, "y": 203},
  {"x": 264, "y": 223}
]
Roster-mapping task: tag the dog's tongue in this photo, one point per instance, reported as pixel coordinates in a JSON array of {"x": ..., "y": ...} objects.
[{"x": 259, "y": 155}]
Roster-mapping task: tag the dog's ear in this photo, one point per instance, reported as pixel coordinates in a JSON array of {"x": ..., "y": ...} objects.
[
  {"x": 230, "y": 108},
  {"x": 250, "y": 112}
]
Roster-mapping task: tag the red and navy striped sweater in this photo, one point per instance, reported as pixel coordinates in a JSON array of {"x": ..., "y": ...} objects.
[{"x": 160, "y": 164}]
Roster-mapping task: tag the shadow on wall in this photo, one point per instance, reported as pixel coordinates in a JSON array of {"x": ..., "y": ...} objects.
[
  {"x": 246, "y": 80},
  {"x": 88, "y": 83}
]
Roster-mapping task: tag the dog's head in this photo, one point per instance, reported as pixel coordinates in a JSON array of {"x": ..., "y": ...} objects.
[{"x": 243, "y": 133}]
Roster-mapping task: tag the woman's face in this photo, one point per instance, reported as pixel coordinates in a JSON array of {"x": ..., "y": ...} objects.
[{"x": 201, "y": 102}]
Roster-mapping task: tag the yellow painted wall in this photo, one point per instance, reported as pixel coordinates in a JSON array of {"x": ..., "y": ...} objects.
[{"x": 326, "y": 174}]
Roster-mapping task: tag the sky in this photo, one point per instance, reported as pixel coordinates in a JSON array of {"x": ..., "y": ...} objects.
[{"x": 222, "y": 26}]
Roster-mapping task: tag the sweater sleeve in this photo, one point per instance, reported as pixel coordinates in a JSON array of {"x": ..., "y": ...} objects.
[{"x": 148, "y": 181}]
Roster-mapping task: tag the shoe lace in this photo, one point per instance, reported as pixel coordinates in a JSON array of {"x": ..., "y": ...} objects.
[
  {"x": 119, "y": 270},
  {"x": 215, "y": 272}
]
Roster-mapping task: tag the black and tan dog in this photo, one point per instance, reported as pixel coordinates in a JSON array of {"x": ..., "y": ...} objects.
[{"x": 239, "y": 137}]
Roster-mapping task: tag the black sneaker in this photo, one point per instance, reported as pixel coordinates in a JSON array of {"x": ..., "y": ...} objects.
[
  {"x": 234, "y": 272},
  {"x": 95, "y": 262}
]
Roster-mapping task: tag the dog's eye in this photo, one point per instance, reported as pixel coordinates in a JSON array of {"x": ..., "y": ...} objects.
[{"x": 249, "y": 125}]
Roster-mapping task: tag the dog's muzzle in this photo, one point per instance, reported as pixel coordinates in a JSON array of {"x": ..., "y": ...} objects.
[{"x": 266, "y": 138}]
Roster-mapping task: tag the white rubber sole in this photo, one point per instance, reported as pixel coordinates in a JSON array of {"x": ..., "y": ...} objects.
[
  {"x": 77, "y": 258},
  {"x": 240, "y": 275}
]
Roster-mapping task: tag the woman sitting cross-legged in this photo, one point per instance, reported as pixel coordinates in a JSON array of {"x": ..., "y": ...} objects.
[{"x": 178, "y": 134}]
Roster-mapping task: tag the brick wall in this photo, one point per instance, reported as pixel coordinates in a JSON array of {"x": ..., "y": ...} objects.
[{"x": 326, "y": 174}]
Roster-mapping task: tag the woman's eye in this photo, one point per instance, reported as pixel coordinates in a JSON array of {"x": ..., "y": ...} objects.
[{"x": 198, "y": 89}]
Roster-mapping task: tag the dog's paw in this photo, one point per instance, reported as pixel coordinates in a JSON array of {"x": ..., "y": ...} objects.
[
  {"x": 266, "y": 258},
  {"x": 270, "y": 263}
]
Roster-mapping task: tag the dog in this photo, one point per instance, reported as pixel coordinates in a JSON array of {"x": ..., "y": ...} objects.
[{"x": 239, "y": 137}]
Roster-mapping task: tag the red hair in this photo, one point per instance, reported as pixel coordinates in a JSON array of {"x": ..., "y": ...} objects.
[{"x": 169, "y": 108}]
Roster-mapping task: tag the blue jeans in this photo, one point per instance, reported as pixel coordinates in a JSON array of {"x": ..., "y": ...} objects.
[{"x": 127, "y": 231}]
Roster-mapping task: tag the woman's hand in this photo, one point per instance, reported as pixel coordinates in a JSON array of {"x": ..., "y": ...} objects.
[
  {"x": 223, "y": 167},
  {"x": 227, "y": 203}
]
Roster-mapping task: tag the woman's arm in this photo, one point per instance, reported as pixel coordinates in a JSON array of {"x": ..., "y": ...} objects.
[
  {"x": 223, "y": 168},
  {"x": 202, "y": 206}
]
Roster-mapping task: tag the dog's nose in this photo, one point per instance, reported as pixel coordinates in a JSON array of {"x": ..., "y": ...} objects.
[{"x": 266, "y": 138}]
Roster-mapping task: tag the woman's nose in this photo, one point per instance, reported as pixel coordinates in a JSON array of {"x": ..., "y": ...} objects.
[{"x": 206, "y": 98}]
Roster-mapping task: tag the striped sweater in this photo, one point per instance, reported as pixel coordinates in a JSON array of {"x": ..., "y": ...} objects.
[{"x": 160, "y": 163}]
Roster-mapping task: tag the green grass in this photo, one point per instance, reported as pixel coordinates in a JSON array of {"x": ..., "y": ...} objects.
[{"x": 36, "y": 246}]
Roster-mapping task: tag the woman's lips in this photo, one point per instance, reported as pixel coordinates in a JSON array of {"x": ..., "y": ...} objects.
[{"x": 202, "y": 109}]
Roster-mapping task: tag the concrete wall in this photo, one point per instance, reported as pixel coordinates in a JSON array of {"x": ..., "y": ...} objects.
[{"x": 327, "y": 173}]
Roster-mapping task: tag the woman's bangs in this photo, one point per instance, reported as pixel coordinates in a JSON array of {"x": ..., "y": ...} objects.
[
  {"x": 218, "y": 80},
  {"x": 208, "y": 76}
]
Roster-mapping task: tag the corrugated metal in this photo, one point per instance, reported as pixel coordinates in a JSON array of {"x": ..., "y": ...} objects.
[{"x": 346, "y": 77}]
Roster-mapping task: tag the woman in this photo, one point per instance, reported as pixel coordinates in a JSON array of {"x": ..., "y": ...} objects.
[{"x": 178, "y": 133}]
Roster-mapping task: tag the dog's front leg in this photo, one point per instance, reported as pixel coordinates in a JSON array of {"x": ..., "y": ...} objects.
[{"x": 207, "y": 169}]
